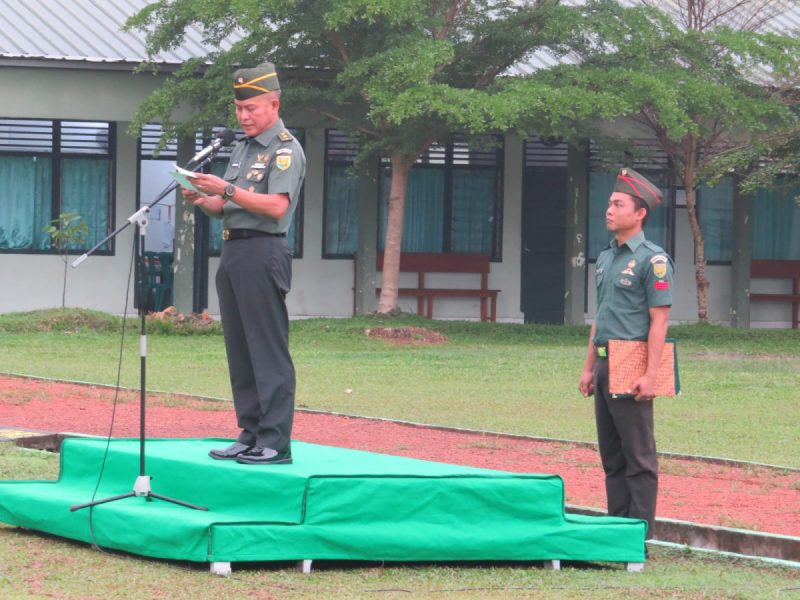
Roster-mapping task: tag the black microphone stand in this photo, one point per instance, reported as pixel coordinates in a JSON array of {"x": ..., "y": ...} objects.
[{"x": 141, "y": 486}]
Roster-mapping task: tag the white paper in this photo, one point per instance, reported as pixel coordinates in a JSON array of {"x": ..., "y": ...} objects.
[{"x": 184, "y": 178}]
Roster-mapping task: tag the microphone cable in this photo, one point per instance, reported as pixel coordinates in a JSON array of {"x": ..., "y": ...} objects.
[{"x": 95, "y": 545}]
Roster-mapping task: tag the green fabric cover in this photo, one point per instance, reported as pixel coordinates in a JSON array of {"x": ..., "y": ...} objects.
[{"x": 332, "y": 503}]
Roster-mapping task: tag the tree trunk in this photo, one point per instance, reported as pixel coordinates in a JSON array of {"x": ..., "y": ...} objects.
[
  {"x": 401, "y": 165},
  {"x": 699, "y": 245}
]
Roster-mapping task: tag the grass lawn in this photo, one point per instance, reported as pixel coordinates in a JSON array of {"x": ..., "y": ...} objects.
[
  {"x": 740, "y": 400},
  {"x": 740, "y": 397}
]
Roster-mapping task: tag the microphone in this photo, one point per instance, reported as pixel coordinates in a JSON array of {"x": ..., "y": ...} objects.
[{"x": 225, "y": 137}]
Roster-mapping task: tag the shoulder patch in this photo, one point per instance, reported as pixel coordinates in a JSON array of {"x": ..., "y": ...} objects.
[
  {"x": 659, "y": 262},
  {"x": 285, "y": 136}
]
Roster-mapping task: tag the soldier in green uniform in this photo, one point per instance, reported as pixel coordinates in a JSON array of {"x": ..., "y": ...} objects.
[
  {"x": 634, "y": 295},
  {"x": 256, "y": 199}
]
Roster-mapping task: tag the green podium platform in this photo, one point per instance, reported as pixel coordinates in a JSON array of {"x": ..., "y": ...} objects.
[{"x": 331, "y": 503}]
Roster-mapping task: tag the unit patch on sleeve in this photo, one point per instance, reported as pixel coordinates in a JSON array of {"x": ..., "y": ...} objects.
[
  {"x": 283, "y": 161},
  {"x": 659, "y": 262},
  {"x": 661, "y": 284}
]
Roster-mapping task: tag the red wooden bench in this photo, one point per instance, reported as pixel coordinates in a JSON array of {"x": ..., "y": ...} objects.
[
  {"x": 423, "y": 263},
  {"x": 779, "y": 269}
]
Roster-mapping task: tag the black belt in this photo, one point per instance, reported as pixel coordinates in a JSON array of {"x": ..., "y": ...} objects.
[{"x": 243, "y": 234}]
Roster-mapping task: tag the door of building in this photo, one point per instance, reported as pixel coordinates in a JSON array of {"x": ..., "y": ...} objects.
[{"x": 543, "y": 244}]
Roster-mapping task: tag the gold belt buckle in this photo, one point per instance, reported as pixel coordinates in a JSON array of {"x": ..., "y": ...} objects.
[{"x": 226, "y": 234}]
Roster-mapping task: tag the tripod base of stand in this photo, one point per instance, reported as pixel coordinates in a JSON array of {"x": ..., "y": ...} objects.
[{"x": 141, "y": 487}]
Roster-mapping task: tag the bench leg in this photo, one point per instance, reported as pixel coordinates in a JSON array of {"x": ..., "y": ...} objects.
[
  {"x": 552, "y": 565},
  {"x": 483, "y": 310}
]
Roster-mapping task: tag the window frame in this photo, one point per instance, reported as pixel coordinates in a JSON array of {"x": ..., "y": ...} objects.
[
  {"x": 56, "y": 155},
  {"x": 440, "y": 156}
]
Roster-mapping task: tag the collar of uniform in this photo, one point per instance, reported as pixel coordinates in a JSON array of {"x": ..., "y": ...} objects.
[
  {"x": 265, "y": 137},
  {"x": 632, "y": 243}
]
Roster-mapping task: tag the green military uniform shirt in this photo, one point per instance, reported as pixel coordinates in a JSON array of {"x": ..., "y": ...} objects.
[
  {"x": 272, "y": 162},
  {"x": 631, "y": 279}
]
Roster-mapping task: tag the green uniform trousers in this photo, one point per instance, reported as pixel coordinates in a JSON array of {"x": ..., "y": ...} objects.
[
  {"x": 627, "y": 450},
  {"x": 253, "y": 279}
]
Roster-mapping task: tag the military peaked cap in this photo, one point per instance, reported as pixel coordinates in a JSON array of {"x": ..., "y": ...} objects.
[
  {"x": 255, "y": 81},
  {"x": 637, "y": 185}
]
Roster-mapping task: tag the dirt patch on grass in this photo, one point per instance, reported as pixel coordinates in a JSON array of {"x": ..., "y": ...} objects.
[{"x": 407, "y": 336}]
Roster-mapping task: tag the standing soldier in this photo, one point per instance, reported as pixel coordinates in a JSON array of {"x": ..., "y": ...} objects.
[
  {"x": 256, "y": 200},
  {"x": 634, "y": 295}
]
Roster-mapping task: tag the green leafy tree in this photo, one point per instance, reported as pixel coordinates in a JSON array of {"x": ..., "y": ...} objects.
[
  {"x": 67, "y": 232},
  {"x": 396, "y": 74},
  {"x": 698, "y": 80}
]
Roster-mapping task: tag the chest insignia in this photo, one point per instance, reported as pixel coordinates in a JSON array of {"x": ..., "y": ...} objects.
[
  {"x": 235, "y": 165},
  {"x": 262, "y": 157},
  {"x": 629, "y": 269},
  {"x": 626, "y": 282}
]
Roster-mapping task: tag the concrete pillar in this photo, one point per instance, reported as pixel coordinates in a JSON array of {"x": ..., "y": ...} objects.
[
  {"x": 368, "y": 174},
  {"x": 575, "y": 234},
  {"x": 184, "y": 267},
  {"x": 742, "y": 255}
]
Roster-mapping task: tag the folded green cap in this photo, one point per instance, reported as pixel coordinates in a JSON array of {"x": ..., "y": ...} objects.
[{"x": 255, "y": 81}]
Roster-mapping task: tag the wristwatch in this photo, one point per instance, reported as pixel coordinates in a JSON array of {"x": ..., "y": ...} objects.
[{"x": 230, "y": 190}]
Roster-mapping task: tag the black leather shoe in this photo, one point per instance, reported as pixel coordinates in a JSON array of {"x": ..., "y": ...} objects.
[
  {"x": 232, "y": 452},
  {"x": 265, "y": 456}
]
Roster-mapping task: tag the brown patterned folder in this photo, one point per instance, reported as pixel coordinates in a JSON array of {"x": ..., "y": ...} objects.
[{"x": 627, "y": 361}]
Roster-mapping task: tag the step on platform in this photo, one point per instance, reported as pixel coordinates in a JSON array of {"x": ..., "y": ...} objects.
[{"x": 331, "y": 503}]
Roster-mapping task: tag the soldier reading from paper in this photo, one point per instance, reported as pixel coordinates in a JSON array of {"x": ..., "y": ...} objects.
[
  {"x": 256, "y": 200},
  {"x": 634, "y": 295}
]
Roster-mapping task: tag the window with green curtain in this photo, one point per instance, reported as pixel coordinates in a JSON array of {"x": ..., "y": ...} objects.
[
  {"x": 451, "y": 205},
  {"x": 423, "y": 214},
  {"x": 658, "y": 226},
  {"x": 51, "y": 167},
  {"x": 26, "y": 205},
  {"x": 473, "y": 213},
  {"x": 776, "y": 222},
  {"x": 83, "y": 181},
  {"x": 715, "y": 211},
  {"x": 341, "y": 211}
]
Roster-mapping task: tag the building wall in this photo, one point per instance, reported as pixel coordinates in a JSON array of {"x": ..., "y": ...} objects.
[
  {"x": 321, "y": 287},
  {"x": 324, "y": 287}
]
